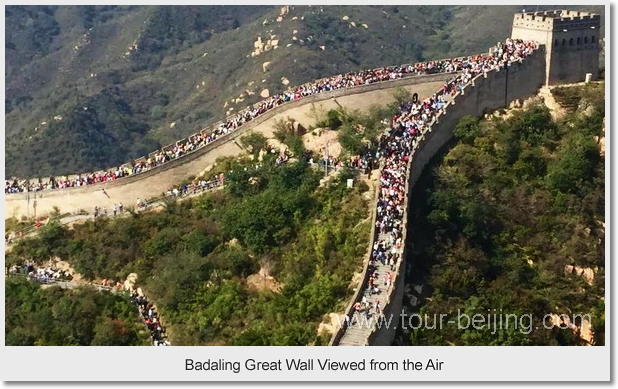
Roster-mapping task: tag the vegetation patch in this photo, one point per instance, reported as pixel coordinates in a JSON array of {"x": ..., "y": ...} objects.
[
  {"x": 194, "y": 257},
  {"x": 501, "y": 219},
  {"x": 60, "y": 317}
]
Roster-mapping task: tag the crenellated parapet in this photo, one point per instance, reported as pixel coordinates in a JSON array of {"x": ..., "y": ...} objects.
[
  {"x": 572, "y": 42},
  {"x": 557, "y": 20}
]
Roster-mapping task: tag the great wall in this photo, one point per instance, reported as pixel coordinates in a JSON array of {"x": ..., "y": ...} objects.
[
  {"x": 484, "y": 93},
  {"x": 481, "y": 95},
  {"x": 152, "y": 183}
]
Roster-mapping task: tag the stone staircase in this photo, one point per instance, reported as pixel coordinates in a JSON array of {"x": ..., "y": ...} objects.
[{"x": 360, "y": 328}]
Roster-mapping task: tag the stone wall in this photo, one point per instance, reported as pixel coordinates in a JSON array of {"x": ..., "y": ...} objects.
[
  {"x": 483, "y": 94},
  {"x": 155, "y": 181}
]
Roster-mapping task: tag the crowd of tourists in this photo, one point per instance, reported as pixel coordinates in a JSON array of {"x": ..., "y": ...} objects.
[
  {"x": 44, "y": 275},
  {"x": 469, "y": 66},
  {"x": 394, "y": 152},
  {"x": 365, "y": 161},
  {"x": 150, "y": 316},
  {"x": 196, "y": 186},
  {"x": 51, "y": 274}
]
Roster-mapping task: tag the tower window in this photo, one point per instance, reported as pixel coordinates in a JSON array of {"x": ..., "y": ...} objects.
[
  {"x": 571, "y": 42},
  {"x": 564, "y": 42},
  {"x": 585, "y": 39},
  {"x": 593, "y": 38},
  {"x": 557, "y": 43},
  {"x": 578, "y": 40}
]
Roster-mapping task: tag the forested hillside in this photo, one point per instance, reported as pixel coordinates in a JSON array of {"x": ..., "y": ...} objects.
[
  {"x": 89, "y": 87},
  {"x": 512, "y": 220},
  {"x": 59, "y": 317},
  {"x": 204, "y": 261}
]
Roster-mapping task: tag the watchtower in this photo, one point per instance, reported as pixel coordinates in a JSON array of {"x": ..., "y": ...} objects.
[{"x": 571, "y": 40}]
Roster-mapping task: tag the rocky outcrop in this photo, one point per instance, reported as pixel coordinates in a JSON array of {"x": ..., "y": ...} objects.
[
  {"x": 260, "y": 47},
  {"x": 330, "y": 323},
  {"x": 601, "y": 141},
  {"x": 556, "y": 110},
  {"x": 585, "y": 272},
  {"x": 583, "y": 330}
]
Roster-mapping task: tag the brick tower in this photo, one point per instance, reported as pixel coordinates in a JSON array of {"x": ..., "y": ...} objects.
[{"x": 571, "y": 39}]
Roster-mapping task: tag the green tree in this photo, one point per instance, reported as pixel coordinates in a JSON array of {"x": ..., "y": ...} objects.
[{"x": 467, "y": 129}]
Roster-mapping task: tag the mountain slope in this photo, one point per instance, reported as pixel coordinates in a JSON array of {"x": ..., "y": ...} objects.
[{"x": 150, "y": 75}]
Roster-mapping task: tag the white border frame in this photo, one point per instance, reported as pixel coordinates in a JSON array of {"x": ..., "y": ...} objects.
[{"x": 461, "y": 363}]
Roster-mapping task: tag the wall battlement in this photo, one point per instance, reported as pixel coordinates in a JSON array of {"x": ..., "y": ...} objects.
[
  {"x": 557, "y": 20},
  {"x": 571, "y": 39}
]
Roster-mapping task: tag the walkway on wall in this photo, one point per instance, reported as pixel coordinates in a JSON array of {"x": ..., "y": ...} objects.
[
  {"x": 192, "y": 164},
  {"x": 64, "y": 283},
  {"x": 152, "y": 204},
  {"x": 360, "y": 328}
]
